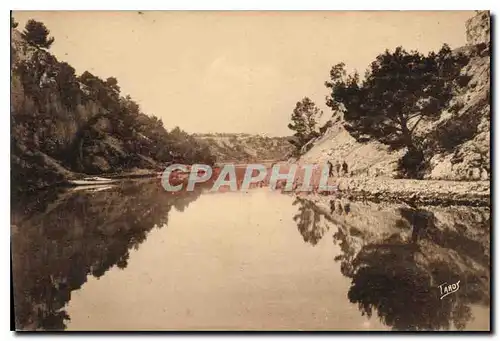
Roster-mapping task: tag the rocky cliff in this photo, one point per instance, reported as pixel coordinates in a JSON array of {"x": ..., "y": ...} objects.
[
  {"x": 457, "y": 144},
  {"x": 246, "y": 147},
  {"x": 478, "y": 28},
  {"x": 67, "y": 126}
]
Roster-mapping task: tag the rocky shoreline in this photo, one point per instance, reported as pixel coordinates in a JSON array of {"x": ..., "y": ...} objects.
[{"x": 412, "y": 192}]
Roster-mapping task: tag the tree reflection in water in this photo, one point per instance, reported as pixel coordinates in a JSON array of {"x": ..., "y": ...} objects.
[
  {"x": 59, "y": 239},
  {"x": 397, "y": 263},
  {"x": 396, "y": 257},
  {"x": 308, "y": 221}
]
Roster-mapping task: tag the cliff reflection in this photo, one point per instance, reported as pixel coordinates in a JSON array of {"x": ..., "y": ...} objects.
[
  {"x": 59, "y": 239},
  {"x": 397, "y": 257}
]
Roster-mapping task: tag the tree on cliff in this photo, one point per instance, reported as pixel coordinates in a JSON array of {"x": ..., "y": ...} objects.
[
  {"x": 37, "y": 34},
  {"x": 399, "y": 90},
  {"x": 304, "y": 122},
  {"x": 13, "y": 22}
]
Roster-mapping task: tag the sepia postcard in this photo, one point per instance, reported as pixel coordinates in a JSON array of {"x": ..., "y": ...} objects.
[{"x": 250, "y": 170}]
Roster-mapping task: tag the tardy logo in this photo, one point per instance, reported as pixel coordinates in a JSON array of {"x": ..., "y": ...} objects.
[{"x": 447, "y": 289}]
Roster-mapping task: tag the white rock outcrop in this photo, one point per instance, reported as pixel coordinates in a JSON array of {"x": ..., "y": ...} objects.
[
  {"x": 478, "y": 28},
  {"x": 460, "y": 138}
]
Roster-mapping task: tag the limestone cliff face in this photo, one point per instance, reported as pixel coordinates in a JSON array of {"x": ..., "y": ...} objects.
[
  {"x": 457, "y": 144},
  {"x": 462, "y": 134},
  {"x": 466, "y": 122},
  {"x": 66, "y": 126},
  {"x": 337, "y": 145},
  {"x": 246, "y": 147},
  {"x": 478, "y": 28}
]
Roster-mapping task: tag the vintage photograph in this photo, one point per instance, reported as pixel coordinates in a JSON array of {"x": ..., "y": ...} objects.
[{"x": 250, "y": 170}]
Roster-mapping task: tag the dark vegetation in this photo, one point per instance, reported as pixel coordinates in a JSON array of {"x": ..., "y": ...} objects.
[
  {"x": 37, "y": 34},
  {"x": 64, "y": 125},
  {"x": 394, "y": 274},
  {"x": 66, "y": 238},
  {"x": 398, "y": 92},
  {"x": 304, "y": 122}
]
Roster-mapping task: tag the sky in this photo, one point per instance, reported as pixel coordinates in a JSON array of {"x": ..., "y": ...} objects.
[{"x": 240, "y": 72}]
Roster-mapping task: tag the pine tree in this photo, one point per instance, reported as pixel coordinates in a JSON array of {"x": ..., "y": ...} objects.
[
  {"x": 304, "y": 122},
  {"x": 37, "y": 34}
]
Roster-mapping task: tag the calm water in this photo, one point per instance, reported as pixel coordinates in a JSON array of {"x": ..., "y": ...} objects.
[{"x": 133, "y": 257}]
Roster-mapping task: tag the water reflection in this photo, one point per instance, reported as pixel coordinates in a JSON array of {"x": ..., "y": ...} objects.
[
  {"x": 236, "y": 261},
  {"x": 60, "y": 238},
  {"x": 397, "y": 257}
]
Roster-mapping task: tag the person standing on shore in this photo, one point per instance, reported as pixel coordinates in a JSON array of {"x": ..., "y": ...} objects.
[
  {"x": 344, "y": 168},
  {"x": 337, "y": 167},
  {"x": 330, "y": 168}
]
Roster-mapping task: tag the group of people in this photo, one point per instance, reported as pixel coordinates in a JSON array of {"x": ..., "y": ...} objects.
[
  {"x": 341, "y": 169},
  {"x": 336, "y": 205}
]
